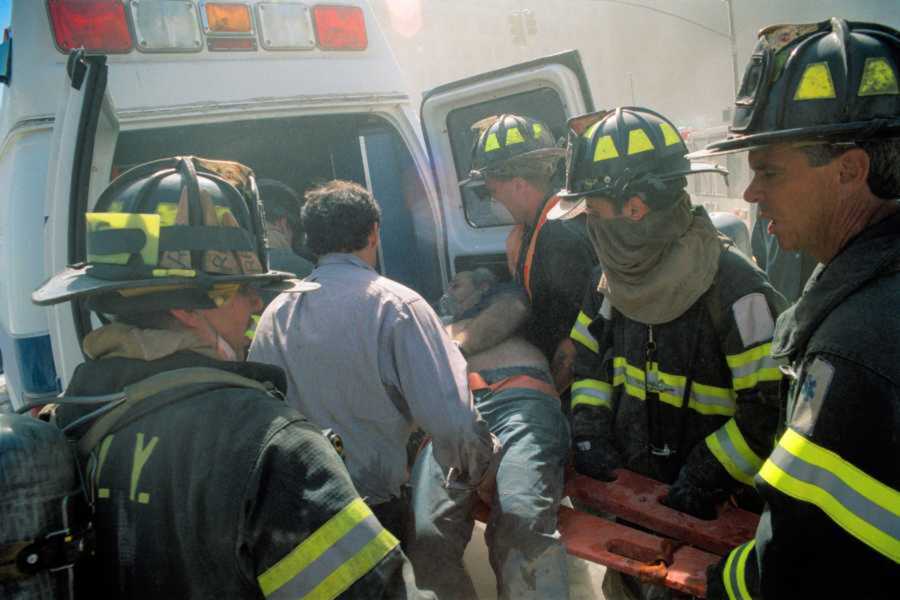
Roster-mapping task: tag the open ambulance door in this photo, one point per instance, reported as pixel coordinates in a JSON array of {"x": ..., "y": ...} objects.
[
  {"x": 81, "y": 153},
  {"x": 551, "y": 89}
]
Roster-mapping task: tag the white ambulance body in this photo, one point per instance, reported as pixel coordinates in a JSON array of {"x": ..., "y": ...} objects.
[{"x": 300, "y": 92}]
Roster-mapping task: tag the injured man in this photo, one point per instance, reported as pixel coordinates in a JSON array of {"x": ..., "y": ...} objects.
[{"x": 514, "y": 393}]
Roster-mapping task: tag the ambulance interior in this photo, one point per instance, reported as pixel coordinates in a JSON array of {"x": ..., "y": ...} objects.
[{"x": 305, "y": 151}]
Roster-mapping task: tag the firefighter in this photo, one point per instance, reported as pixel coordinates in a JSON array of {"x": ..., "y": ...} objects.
[
  {"x": 514, "y": 160},
  {"x": 673, "y": 375},
  {"x": 204, "y": 483},
  {"x": 514, "y": 392},
  {"x": 819, "y": 113}
]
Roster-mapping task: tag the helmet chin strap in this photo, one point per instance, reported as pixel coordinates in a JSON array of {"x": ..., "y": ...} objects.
[{"x": 223, "y": 348}]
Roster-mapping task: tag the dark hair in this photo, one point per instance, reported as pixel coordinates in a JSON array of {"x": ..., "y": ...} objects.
[
  {"x": 884, "y": 163},
  {"x": 884, "y": 167},
  {"x": 338, "y": 217}
]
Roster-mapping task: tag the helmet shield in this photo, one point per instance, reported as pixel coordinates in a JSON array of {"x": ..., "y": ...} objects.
[
  {"x": 181, "y": 229},
  {"x": 832, "y": 81}
]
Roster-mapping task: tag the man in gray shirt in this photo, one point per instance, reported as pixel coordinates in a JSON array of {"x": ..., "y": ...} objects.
[{"x": 369, "y": 359}]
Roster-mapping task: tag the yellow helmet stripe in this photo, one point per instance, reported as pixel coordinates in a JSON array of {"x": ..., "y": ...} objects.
[
  {"x": 878, "y": 78},
  {"x": 816, "y": 83},
  {"x": 605, "y": 149},
  {"x": 638, "y": 142}
]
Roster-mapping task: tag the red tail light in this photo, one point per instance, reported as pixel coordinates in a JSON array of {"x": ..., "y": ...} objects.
[
  {"x": 340, "y": 27},
  {"x": 96, "y": 25}
]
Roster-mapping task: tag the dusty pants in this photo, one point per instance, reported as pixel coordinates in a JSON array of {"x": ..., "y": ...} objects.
[{"x": 524, "y": 547}]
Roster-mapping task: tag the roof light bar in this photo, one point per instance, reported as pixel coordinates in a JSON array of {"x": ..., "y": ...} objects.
[
  {"x": 340, "y": 27},
  {"x": 166, "y": 26},
  {"x": 95, "y": 25},
  {"x": 285, "y": 26}
]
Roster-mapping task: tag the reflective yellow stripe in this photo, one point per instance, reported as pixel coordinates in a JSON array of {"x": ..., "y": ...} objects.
[
  {"x": 591, "y": 392},
  {"x": 582, "y": 335},
  {"x": 728, "y": 572},
  {"x": 605, "y": 148},
  {"x": 863, "y": 506},
  {"x": 878, "y": 78},
  {"x": 341, "y": 579},
  {"x": 731, "y": 449},
  {"x": 492, "y": 143},
  {"x": 638, "y": 142},
  {"x": 816, "y": 83},
  {"x": 669, "y": 134},
  {"x": 514, "y": 136},
  {"x": 291, "y": 568},
  {"x": 741, "y": 574},
  {"x": 753, "y": 366},
  {"x": 705, "y": 399},
  {"x": 537, "y": 130}
]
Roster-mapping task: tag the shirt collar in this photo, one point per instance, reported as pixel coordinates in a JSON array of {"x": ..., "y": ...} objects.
[{"x": 342, "y": 258}]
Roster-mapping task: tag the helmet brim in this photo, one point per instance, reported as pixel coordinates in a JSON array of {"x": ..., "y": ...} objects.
[
  {"x": 841, "y": 132},
  {"x": 76, "y": 282},
  {"x": 568, "y": 207}
]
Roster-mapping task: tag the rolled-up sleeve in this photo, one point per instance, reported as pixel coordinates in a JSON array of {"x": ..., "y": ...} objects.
[{"x": 430, "y": 373}]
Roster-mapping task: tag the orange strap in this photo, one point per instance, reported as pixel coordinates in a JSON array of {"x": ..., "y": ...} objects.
[
  {"x": 514, "y": 246},
  {"x": 477, "y": 382}
]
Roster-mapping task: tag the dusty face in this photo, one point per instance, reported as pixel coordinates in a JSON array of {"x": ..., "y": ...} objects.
[
  {"x": 231, "y": 320},
  {"x": 799, "y": 199},
  {"x": 463, "y": 289},
  {"x": 508, "y": 193}
]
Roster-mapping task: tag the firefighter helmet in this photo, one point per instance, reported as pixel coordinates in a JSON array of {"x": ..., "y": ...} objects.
[
  {"x": 831, "y": 81},
  {"x": 502, "y": 142},
  {"x": 181, "y": 232},
  {"x": 620, "y": 152}
]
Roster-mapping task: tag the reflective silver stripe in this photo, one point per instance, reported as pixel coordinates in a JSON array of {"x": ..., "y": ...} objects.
[
  {"x": 595, "y": 393},
  {"x": 708, "y": 399},
  {"x": 767, "y": 362},
  {"x": 861, "y": 507},
  {"x": 736, "y": 586},
  {"x": 330, "y": 561}
]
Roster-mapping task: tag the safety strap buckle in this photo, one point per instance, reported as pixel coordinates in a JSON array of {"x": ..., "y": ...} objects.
[{"x": 665, "y": 451}]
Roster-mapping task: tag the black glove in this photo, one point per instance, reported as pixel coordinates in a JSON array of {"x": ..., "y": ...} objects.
[
  {"x": 596, "y": 457},
  {"x": 686, "y": 496}
]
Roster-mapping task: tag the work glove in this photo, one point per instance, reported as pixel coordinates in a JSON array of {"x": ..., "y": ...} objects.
[
  {"x": 687, "y": 496},
  {"x": 595, "y": 456}
]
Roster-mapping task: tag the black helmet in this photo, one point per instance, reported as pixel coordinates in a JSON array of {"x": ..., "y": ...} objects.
[
  {"x": 832, "y": 81},
  {"x": 181, "y": 232},
  {"x": 501, "y": 139},
  {"x": 619, "y": 152},
  {"x": 279, "y": 201}
]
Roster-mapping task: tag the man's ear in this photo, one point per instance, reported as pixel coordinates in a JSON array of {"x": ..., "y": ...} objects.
[
  {"x": 373, "y": 236},
  {"x": 635, "y": 208},
  {"x": 854, "y": 168}
]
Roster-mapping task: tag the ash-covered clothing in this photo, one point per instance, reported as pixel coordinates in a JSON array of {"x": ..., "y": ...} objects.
[
  {"x": 831, "y": 527},
  {"x": 368, "y": 358},
  {"x": 525, "y": 551},
  {"x": 631, "y": 381},
  {"x": 788, "y": 271},
  {"x": 557, "y": 275},
  {"x": 217, "y": 494}
]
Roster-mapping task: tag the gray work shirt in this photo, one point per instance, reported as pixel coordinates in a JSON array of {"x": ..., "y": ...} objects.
[{"x": 368, "y": 358}]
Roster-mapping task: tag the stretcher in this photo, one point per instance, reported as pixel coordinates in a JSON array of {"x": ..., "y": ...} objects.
[{"x": 648, "y": 540}]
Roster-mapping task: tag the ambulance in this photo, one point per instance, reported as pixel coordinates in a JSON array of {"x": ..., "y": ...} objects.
[{"x": 302, "y": 92}]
